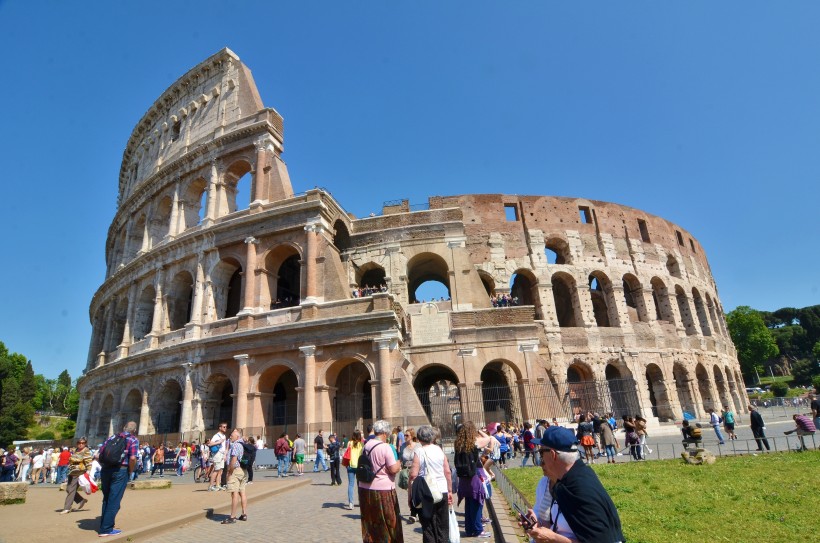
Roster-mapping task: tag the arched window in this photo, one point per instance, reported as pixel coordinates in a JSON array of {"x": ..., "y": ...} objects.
[
  {"x": 226, "y": 288},
  {"x": 633, "y": 297},
  {"x": 660, "y": 295},
  {"x": 684, "y": 311},
  {"x": 237, "y": 194},
  {"x": 195, "y": 202},
  {"x": 557, "y": 251},
  {"x": 672, "y": 266},
  {"x": 700, "y": 309},
  {"x": 144, "y": 313},
  {"x": 180, "y": 300},
  {"x": 424, "y": 268},
  {"x": 522, "y": 285},
  {"x": 567, "y": 305},
  {"x": 604, "y": 305},
  {"x": 341, "y": 236}
]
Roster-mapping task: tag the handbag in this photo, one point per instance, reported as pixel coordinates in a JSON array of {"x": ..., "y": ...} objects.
[
  {"x": 455, "y": 534},
  {"x": 403, "y": 478},
  {"x": 431, "y": 482},
  {"x": 346, "y": 457}
]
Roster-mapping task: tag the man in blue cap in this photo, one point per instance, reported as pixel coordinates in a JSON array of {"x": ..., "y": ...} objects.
[{"x": 579, "y": 506}]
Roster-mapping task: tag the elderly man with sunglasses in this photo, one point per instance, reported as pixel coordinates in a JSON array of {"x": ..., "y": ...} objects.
[{"x": 571, "y": 504}]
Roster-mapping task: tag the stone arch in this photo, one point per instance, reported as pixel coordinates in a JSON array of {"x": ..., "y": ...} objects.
[
  {"x": 426, "y": 267},
  {"x": 217, "y": 400},
  {"x": 722, "y": 388},
  {"x": 712, "y": 314},
  {"x": 734, "y": 389},
  {"x": 118, "y": 251},
  {"x": 226, "y": 287},
  {"x": 98, "y": 335},
  {"x": 194, "y": 202},
  {"x": 663, "y": 306},
  {"x": 120, "y": 317},
  {"x": 567, "y": 303},
  {"x": 237, "y": 179},
  {"x": 499, "y": 393},
  {"x": 672, "y": 266},
  {"x": 622, "y": 389},
  {"x": 284, "y": 276},
  {"x": 524, "y": 287},
  {"x": 684, "y": 311},
  {"x": 132, "y": 406},
  {"x": 161, "y": 220},
  {"x": 634, "y": 300},
  {"x": 133, "y": 245},
  {"x": 341, "y": 236},
  {"x": 436, "y": 387},
  {"x": 583, "y": 394},
  {"x": 280, "y": 387},
  {"x": 180, "y": 300},
  {"x": 659, "y": 397},
  {"x": 700, "y": 309},
  {"x": 105, "y": 422},
  {"x": 166, "y": 407},
  {"x": 352, "y": 402},
  {"x": 370, "y": 275},
  {"x": 702, "y": 377},
  {"x": 144, "y": 313},
  {"x": 602, "y": 296},
  {"x": 488, "y": 282},
  {"x": 683, "y": 386},
  {"x": 557, "y": 251}
]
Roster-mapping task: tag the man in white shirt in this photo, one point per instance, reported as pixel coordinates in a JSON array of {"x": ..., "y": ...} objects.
[{"x": 217, "y": 448}]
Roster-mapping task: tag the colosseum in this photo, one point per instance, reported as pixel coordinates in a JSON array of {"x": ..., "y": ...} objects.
[{"x": 285, "y": 312}]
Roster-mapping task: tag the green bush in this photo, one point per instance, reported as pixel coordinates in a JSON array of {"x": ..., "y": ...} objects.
[
  {"x": 66, "y": 427},
  {"x": 48, "y": 434},
  {"x": 816, "y": 383},
  {"x": 780, "y": 389}
]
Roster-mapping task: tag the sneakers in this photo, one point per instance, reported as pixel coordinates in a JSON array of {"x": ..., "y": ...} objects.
[
  {"x": 229, "y": 520},
  {"x": 350, "y": 507},
  {"x": 411, "y": 519},
  {"x": 112, "y": 532},
  {"x": 82, "y": 504},
  {"x": 213, "y": 488}
]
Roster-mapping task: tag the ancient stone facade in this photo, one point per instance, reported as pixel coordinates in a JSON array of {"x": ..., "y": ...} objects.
[{"x": 213, "y": 310}]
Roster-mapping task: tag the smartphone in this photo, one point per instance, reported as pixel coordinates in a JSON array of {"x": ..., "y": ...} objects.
[{"x": 526, "y": 521}]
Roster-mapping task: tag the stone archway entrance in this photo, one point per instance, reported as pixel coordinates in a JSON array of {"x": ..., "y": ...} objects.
[{"x": 352, "y": 404}]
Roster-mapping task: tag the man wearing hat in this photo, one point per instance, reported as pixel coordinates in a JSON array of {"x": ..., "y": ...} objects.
[{"x": 577, "y": 507}]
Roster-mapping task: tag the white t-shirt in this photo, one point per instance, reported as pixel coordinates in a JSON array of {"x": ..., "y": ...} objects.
[
  {"x": 543, "y": 501},
  {"x": 431, "y": 458},
  {"x": 37, "y": 463},
  {"x": 219, "y": 439}
]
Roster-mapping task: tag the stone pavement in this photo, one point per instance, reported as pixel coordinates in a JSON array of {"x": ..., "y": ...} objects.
[{"x": 312, "y": 513}]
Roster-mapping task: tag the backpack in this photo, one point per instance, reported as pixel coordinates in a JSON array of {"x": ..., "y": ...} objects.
[
  {"x": 249, "y": 452},
  {"x": 364, "y": 471},
  {"x": 114, "y": 451},
  {"x": 281, "y": 447},
  {"x": 696, "y": 433},
  {"x": 465, "y": 462}
]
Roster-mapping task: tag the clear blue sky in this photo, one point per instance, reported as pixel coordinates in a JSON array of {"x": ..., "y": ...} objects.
[{"x": 705, "y": 113}]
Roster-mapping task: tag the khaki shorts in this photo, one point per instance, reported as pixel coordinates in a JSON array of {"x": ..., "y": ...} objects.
[
  {"x": 237, "y": 480},
  {"x": 219, "y": 461}
]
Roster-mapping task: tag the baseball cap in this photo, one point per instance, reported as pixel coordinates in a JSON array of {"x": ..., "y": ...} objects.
[{"x": 558, "y": 438}]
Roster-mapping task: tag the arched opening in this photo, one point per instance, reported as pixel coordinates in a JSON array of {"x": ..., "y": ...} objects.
[
  {"x": 424, "y": 268},
  {"x": 135, "y": 240},
  {"x": 180, "y": 300},
  {"x": 683, "y": 385},
  {"x": 557, "y": 251},
  {"x": 283, "y": 272},
  {"x": 500, "y": 401},
  {"x": 663, "y": 307},
  {"x": 700, "y": 309},
  {"x": 705, "y": 390},
  {"x": 581, "y": 388},
  {"x": 118, "y": 322},
  {"x": 97, "y": 337},
  {"x": 132, "y": 406},
  {"x": 633, "y": 297},
  {"x": 217, "y": 405},
  {"x": 723, "y": 392},
  {"x": 226, "y": 288},
  {"x": 144, "y": 313},
  {"x": 602, "y": 295},
  {"x": 488, "y": 282},
  {"x": 341, "y": 236},
  {"x": 672, "y": 266},
  {"x": 280, "y": 398},
  {"x": 167, "y": 408},
  {"x": 622, "y": 390},
  {"x": 684, "y": 311},
  {"x": 237, "y": 187},
  {"x": 734, "y": 388},
  {"x": 105, "y": 425},
  {"x": 567, "y": 305},
  {"x": 712, "y": 314},
  {"x": 438, "y": 393},
  {"x": 522, "y": 287},
  {"x": 352, "y": 405},
  {"x": 194, "y": 202},
  {"x": 161, "y": 221},
  {"x": 371, "y": 279},
  {"x": 658, "y": 395}
]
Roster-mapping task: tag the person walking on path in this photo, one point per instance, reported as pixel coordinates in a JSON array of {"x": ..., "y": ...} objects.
[
  {"x": 217, "y": 447},
  {"x": 353, "y": 451},
  {"x": 299, "y": 450},
  {"x": 237, "y": 478},
  {"x": 282, "y": 450},
  {"x": 728, "y": 422},
  {"x": 334, "y": 457},
  {"x": 758, "y": 428},
  {"x": 79, "y": 463},
  {"x": 319, "y": 449},
  {"x": 378, "y": 501},
  {"x": 114, "y": 477},
  {"x": 431, "y": 462},
  {"x": 714, "y": 422}
]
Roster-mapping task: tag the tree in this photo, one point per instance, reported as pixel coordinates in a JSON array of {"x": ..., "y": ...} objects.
[
  {"x": 816, "y": 351},
  {"x": 804, "y": 370},
  {"x": 753, "y": 341},
  {"x": 28, "y": 384}
]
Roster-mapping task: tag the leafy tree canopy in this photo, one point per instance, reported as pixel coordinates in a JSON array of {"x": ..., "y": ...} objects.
[{"x": 753, "y": 340}]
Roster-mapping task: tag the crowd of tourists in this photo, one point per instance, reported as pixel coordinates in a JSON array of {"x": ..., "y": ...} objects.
[
  {"x": 504, "y": 300},
  {"x": 368, "y": 290}
]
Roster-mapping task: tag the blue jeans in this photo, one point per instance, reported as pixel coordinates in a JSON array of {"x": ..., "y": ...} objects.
[
  {"x": 113, "y": 487},
  {"x": 472, "y": 517},
  {"x": 717, "y": 433},
  {"x": 62, "y": 474},
  {"x": 320, "y": 457},
  {"x": 281, "y": 464},
  {"x": 351, "y": 484}
]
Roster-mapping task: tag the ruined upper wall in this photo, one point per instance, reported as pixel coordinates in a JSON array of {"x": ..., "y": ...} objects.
[{"x": 210, "y": 99}]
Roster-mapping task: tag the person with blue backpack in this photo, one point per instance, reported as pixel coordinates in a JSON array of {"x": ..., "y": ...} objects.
[{"x": 118, "y": 457}]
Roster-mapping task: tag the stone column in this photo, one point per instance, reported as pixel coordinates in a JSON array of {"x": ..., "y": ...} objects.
[
  {"x": 312, "y": 231},
  {"x": 145, "y": 414},
  {"x": 187, "y": 395},
  {"x": 196, "y": 304},
  {"x": 109, "y": 324},
  {"x": 309, "y": 411},
  {"x": 241, "y": 413},
  {"x": 250, "y": 275},
  {"x": 384, "y": 346},
  {"x": 127, "y": 251},
  {"x": 157, "y": 325},
  {"x": 210, "y": 212},
  {"x": 173, "y": 226},
  {"x": 82, "y": 415},
  {"x": 129, "y": 319},
  {"x": 259, "y": 190}
]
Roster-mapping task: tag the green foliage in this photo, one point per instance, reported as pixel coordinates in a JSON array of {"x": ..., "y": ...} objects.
[
  {"x": 796, "y": 331},
  {"x": 816, "y": 383},
  {"x": 804, "y": 370},
  {"x": 754, "y": 342},
  {"x": 780, "y": 390},
  {"x": 67, "y": 427},
  {"x": 816, "y": 351},
  {"x": 667, "y": 500},
  {"x": 48, "y": 434}
]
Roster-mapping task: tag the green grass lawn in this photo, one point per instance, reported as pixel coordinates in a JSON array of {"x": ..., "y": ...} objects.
[{"x": 769, "y": 498}]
